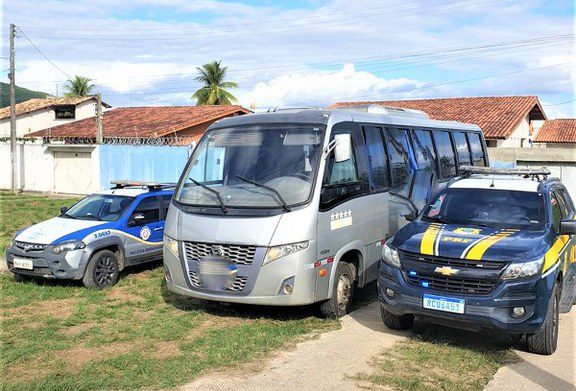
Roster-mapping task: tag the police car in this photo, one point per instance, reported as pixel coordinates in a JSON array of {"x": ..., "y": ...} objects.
[
  {"x": 495, "y": 249},
  {"x": 97, "y": 237}
]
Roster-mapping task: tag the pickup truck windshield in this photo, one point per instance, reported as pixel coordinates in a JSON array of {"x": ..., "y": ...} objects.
[
  {"x": 492, "y": 208},
  {"x": 267, "y": 166},
  {"x": 101, "y": 207}
]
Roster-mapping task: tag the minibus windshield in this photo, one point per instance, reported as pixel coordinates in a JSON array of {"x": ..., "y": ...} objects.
[
  {"x": 490, "y": 208},
  {"x": 264, "y": 166}
]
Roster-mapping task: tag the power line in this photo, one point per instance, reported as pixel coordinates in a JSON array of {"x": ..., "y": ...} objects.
[
  {"x": 42, "y": 53},
  {"x": 561, "y": 103}
]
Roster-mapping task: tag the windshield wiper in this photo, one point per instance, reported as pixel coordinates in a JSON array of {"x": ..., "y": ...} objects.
[
  {"x": 276, "y": 192},
  {"x": 211, "y": 190}
]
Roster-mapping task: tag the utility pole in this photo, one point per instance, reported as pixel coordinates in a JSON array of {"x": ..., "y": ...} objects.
[
  {"x": 13, "y": 110},
  {"x": 99, "y": 133}
]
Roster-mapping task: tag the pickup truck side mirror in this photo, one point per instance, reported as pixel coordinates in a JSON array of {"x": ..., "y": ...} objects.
[
  {"x": 567, "y": 227},
  {"x": 135, "y": 219},
  {"x": 411, "y": 216},
  {"x": 63, "y": 209}
]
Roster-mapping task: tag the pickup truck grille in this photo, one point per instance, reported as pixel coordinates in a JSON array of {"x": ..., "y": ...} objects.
[
  {"x": 25, "y": 246},
  {"x": 452, "y": 284}
]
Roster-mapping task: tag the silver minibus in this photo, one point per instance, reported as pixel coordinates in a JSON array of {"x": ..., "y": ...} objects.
[{"x": 292, "y": 207}]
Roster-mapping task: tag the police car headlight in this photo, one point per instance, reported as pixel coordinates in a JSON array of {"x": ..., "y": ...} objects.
[
  {"x": 68, "y": 246},
  {"x": 523, "y": 269},
  {"x": 390, "y": 256},
  {"x": 278, "y": 252},
  {"x": 172, "y": 245}
]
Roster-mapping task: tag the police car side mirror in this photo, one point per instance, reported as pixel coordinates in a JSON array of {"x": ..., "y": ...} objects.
[
  {"x": 410, "y": 216},
  {"x": 567, "y": 227},
  {"x": 135, "y": 219},
  {"x": 63, "y": 209}
]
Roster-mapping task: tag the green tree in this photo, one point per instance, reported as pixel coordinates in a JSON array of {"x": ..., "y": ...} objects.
[
  {"x": 79, "y": 86},
  {"x": 212, "y": 76}
]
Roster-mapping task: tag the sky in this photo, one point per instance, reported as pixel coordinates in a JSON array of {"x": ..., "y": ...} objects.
[{"x": 299, "y": 53}]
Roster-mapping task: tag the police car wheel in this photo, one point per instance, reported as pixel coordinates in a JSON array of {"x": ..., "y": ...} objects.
[
  {"x": 396, "y": 322},
  {"x": 545, "y": 341},
  {"x": 102, "y": 270},
  {"x": 342, "y": 293}
]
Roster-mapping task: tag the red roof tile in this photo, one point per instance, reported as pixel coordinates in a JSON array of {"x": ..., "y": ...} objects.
[
  {"x": 557, "y": 131},
  {"x": 32, "y": 105},
  {"x": 498, "y": 117},
  {"x": 142, "y": 122}
]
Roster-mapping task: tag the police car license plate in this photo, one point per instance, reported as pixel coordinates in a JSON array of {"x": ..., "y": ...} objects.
[
  {"x": 446, "y": 304},
  {"x": 22, "y": 263}
]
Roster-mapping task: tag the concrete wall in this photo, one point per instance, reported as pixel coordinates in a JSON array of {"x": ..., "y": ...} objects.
[
  {"x": 45, "y": 118},
  {"x": 560, "y": 161},
  {"x": 35, "y": 167}
]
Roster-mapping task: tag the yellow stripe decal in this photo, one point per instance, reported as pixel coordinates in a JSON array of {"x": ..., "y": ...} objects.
[
  {"x": 482, "y": 246},
  {"x": 428, "y": 239},
  {"x": 552, "y": 255}
]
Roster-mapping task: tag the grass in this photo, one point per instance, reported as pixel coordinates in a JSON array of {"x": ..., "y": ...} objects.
[
  {"x": 440, "y": 359},
  {"x": 19, "y": 211}
]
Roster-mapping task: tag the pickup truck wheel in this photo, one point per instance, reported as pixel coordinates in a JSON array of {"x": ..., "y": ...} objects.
[
  {"x": 339, "y": 304},
  {"x": 545, "y": 340},
  {"x": 102, "y": 270},
  {"x": 396, "y": 322}
]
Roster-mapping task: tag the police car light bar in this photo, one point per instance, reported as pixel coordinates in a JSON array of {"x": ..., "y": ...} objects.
[
  {"x": 150, "y": 185},
  {"x": 469, "y": 170}
]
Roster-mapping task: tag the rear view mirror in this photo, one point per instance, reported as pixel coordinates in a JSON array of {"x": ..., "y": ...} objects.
[
  {"x": 568, "y": 227},
  {"x": 63, "y": 209},
  {"x": 343, "y": 149},
  {"x": 410, "y": 216}
]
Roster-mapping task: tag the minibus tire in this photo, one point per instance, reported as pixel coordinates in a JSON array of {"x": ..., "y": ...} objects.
[
  {"x": 104, "y": 261},
  {"x": 396, "y": 322},
  {"x": 330, "y": 308},
  {"x": 545, "y": 340}
]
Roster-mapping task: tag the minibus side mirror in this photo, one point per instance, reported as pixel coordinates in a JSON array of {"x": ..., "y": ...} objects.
[
  {"x": 343, "y": 149},
  {"x": 135, "y": 219},
  {"x": 63, "y": 209},
  {"x": 568, "y": 227}
]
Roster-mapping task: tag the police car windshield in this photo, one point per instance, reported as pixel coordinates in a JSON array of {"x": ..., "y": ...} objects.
[
  {"x": 101, "y": 207},
  {"x": 491, "y": 208},
  {"x": 261, "y": 166}
]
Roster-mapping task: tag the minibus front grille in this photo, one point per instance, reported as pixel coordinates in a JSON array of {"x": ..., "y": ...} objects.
[
  {"x": 238, "y": 254},
  {"x": 452, "y": 284},
  {"x": 237, "y": 286}
]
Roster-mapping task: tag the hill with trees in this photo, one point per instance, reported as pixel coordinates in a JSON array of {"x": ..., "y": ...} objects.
[{"x": 22, "y": 94}]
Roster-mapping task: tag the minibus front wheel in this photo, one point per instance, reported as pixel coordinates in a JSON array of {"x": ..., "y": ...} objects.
[{"x": 342, "y": 293}]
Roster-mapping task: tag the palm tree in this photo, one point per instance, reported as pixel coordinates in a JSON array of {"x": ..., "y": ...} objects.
[
  {"x": 79, "y": 86},
  {"x": 214, "y": 90}
]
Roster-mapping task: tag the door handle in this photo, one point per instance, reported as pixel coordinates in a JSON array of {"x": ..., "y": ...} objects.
[{"x": 158, "y": 228}]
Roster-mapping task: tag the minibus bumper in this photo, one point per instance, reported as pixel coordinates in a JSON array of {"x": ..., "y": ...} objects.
[{"x": 490, "y": 311}]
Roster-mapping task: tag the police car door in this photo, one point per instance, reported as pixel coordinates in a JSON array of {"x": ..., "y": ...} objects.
[{"x": 145, "y": 230}]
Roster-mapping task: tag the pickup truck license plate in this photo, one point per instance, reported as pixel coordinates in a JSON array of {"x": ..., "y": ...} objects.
[
  {"x": 22, "y": 263},
  {"x": 446, "y": 304}
]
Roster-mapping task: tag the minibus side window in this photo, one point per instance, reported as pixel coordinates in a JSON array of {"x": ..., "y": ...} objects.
[
  {"x": 377, "y": 162},
  {"x": 397, "y": 146},
  {"x": 424, "y": 149},
  {"x": 445, "y": 153},
  {"x": 476, "y": 149},
  {"x": 462, "y": 148}
]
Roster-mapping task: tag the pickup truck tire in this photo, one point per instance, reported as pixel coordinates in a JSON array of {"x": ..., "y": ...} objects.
[
  {"x": 102, "y": 270},
  {"x": 396, "y": 322},
  {"x": 342, "y": 292},
  {"x": 546, "y": 339}
]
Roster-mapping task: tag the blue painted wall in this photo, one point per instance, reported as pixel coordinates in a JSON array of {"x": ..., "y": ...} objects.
[{"x": 141, "y": 163}]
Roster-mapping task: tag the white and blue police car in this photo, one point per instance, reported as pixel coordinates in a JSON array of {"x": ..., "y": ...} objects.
[{"x": 97, "y": 237}]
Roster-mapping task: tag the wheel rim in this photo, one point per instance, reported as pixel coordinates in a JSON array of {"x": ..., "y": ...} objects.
[
  {"x": 344, "y": 290},
  {"x": 104, "y": 272}
]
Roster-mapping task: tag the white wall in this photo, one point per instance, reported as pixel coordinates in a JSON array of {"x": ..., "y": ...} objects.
[
  {"x": 45, "y": 118},
  {"x": 515, "y": 139}
]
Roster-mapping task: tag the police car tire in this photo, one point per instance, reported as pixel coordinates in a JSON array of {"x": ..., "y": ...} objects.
[
  {"x": 396, "y": 322},
  {"x": 89, "y": 279},
  {"x": 330, "y": 308},
  {"x": 546, "y": 339}
]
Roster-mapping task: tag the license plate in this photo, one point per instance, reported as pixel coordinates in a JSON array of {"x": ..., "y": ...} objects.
[
  {"x": 446, "y": 304},
  {"x": 22, "y": 263}
]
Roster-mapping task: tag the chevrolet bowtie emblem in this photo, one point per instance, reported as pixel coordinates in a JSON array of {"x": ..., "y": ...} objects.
[{"x": 446, "y": 271}]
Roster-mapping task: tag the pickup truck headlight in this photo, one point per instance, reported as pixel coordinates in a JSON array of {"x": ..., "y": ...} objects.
[
  {"x": 278, "y": 252},
  {"x": 172, "y": 245},
  {"x": 68, "y": 246},
  {"x": 522, "y": 269},
  {"x": 390, "y": 256}
]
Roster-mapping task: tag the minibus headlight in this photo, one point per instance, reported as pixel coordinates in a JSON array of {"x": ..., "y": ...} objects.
[
  {"x": 171, "y": 244},
  {"x": 278, "y": 252},
  {"x": 523, "y": 269},
  {"x": 390, "y": 256},
  {"x": 68, "y": 246}
]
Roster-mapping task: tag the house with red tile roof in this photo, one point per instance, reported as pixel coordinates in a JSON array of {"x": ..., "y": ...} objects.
[
  {"x": 559, "y": 133},
  {"x": 174, "y": 124},
  {"x": 507, "y": 121},
  {"x": 36, "y": 114}
]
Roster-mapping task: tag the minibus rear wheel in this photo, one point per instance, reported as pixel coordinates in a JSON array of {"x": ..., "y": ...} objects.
[
  {"x": 342, "y": 293},
  {"x": 396, "y": 322}
]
